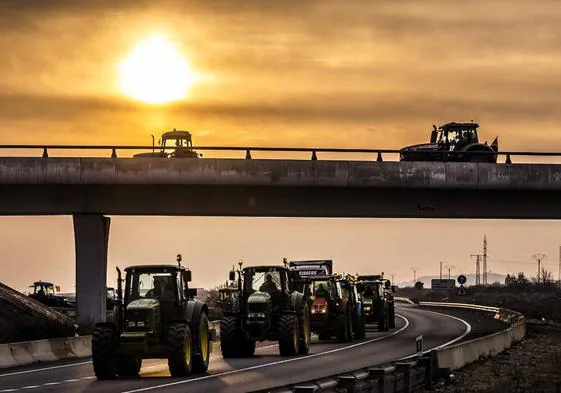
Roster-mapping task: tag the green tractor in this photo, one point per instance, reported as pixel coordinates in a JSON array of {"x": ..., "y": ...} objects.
[
  {"x": 265, "y": 308},
  {"x": 159, "y": 318},
  {"x": 377, "y": 301}
]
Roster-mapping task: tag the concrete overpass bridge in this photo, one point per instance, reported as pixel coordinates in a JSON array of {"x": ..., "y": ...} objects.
[{"x": 89, "y": 189}]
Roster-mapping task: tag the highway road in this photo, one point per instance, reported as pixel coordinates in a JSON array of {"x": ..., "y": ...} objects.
[{"x": 266, "y": 370}]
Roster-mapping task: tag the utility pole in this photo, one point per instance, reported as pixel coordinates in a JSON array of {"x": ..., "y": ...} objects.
[
  {"x": 559, "y": 274},
  {"x": 485, "y": 259},
  {"x": 449, "y": 267},
  {"x": 477, "y": 268},
  {"x": 538, "y": 258},
  {"x": 440, "y": 270},
  {"x": 414, "y": 270}
]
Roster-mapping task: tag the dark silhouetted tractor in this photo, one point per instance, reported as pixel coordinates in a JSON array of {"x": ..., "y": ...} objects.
[
  {"x": 377, "y": 305},
  {"x": 159, "y": 318},
  {"x": 174, "y": 144},
  {"x": 264, "y": 308},
  {"x": 47, "y": 293},
  {"x": 453, "y": 142},
  {"x": 335, "y": 305}
]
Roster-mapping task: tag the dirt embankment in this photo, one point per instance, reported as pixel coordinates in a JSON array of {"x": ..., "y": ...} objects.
[
  {"x": 24, "y": 319},
  {"x": 532, "y": 366}
]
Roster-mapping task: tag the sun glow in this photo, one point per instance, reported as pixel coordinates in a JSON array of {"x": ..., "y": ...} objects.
[{"x": 155, "y": 72}]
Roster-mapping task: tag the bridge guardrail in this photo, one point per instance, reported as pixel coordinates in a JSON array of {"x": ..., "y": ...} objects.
[
  {"x": 413, "y": 375},
  {"x": 378, "y": 153}
]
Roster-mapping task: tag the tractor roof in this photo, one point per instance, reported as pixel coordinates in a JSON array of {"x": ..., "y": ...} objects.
[
  {"x": 158, "y": 268},
  {"x": 43, "y": 283},
  {"x": 176, "y": 135},
  {"x": 265, "y": 267},
  {"x": 454, "y": 125}
]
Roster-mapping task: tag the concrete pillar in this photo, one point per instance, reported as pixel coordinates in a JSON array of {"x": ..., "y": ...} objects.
[{"x": 91, "y": 236}]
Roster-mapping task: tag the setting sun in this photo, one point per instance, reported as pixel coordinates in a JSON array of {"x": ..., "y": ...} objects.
[{"x": 155, "y": 72}]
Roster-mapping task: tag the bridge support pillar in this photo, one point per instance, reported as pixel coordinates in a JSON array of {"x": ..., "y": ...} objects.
[{"x": 91, "y": 236}]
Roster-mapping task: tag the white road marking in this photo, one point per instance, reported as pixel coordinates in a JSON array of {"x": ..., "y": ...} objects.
[
  {"x": 273, "y": 363},
  {"x": 36, "y": 370},
  {"x": 45, "y": 384},
  {"x": 8, "y": 390},
  {"x": 51, "y": 383},
  {"x": 31, "y": 387},
  {"x": 468, "y": 331}
]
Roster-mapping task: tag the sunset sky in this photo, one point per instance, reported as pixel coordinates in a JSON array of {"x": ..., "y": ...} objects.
[{"x": 282, "y": 73}]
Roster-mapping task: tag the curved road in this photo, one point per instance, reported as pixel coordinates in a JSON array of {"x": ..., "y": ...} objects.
[{"x": 266, "y": 370}]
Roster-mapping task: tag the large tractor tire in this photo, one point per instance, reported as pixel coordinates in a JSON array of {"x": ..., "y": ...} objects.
[
  {"x": 103, "y": 357},
  {"x": 181, "y": 346},
  {"x": 391, "y": 323},
  {"x": 305, "y": 332},
  {"x": 344, "y": 328},
  {"x": 233, "y": 342},
  {"x": 383, "y": 320},
  {"x": 360, "y": 328},
  {"x": 202, "y": 335},
  {"x": 289, "y": 339},
  {"x": 128, "y": 366}
]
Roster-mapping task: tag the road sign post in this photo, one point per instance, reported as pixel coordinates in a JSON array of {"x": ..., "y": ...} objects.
[{"x": 419, "y": 344}]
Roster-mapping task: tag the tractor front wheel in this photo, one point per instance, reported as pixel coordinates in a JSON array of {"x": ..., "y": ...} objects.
[
  {"x": 103, "y": 358},
  {"x": 305, "y": 332},
  {"x": 180, "y": 343},
  {"x": 201, "y": 358},
  {"x": 288, "y": 335}
]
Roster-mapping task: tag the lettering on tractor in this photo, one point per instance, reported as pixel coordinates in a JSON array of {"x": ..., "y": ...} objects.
[
  {"x": 377, "y": 298},
  {"x": 158, "y": 318},
  {"x": 264, "y": 307},
  {"x": 453, "y": 142},
  {"x": 174, "y": 144},
  {"x": 334, "y": 302}
]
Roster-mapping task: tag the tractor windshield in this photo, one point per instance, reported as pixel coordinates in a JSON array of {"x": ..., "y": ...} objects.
[
  {"x": 161, "y": 286},
  {"x": 263, "y": 281},
  {"x": 176, "y": 142},
  {"x": 458, "y": 136},
  {"x": 323, "y": 288}
]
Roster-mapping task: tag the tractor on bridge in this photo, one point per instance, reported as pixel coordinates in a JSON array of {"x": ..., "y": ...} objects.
[
  {"x": 264, "y": 308},
  {"x": 453, "y": 142},
  {"x": 335, "y": 306},
  {"x": 159, "y": 318},
  {"x": 377, "y": 298},
  {"x": 179, "y": 141}
]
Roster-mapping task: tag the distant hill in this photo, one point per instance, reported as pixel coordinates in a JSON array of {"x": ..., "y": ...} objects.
[{"x": 491, "y": 278}]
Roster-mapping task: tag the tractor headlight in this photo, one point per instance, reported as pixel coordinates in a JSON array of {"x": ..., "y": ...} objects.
[
  {"x": 140, "y": 324},
  {"x": 257, "y": 315},
  {"x": 131, "y": 323},
  {"x": 367, "y": 308}
]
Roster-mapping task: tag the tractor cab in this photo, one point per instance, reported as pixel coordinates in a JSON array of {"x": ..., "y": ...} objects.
[
  {"x": 174, "y": 144},
  {"x": 266, "y": 285},
  {"x": 454, "y": 136},
  {"x": 229, "y": 299},
  {"x": 47, "y": 293},
  {"x": 155, "y": 295}
]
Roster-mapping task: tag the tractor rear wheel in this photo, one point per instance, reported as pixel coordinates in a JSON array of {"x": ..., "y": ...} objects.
[
  {"x": 202, "y": 334},
  {"x": 128, "y": 366},
  {"x": 305, "y": 332},
  {"x": 180, "y": 343},
  {"x": 288, "y": 335},
  {"x": 103, "y": 347}
]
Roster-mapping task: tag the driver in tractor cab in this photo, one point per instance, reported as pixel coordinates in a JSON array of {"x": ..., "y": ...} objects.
[
  {"x": 369, "y": 291},
  {"x": 321, "y": 291},
  {"x": 163, "y": 289},
  {"x": 268, "y": 285}
]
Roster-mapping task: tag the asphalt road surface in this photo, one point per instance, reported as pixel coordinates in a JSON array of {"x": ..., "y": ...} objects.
[{"x": 266, "y": 370}]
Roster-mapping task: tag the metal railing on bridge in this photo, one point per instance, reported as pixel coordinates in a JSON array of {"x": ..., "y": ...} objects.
[{"x": 374, "y": 154}]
